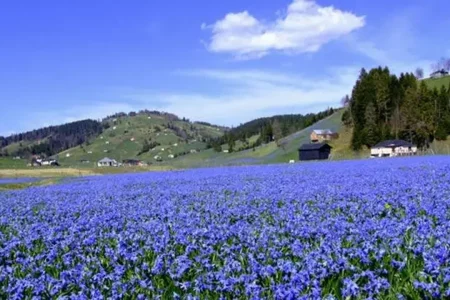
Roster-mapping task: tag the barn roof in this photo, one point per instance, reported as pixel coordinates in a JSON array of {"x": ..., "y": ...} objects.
[
  {"x": 393, "y": 143},
  {"x": 314, "y": 146}
]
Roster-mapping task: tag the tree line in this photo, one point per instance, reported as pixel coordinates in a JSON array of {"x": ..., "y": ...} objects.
[
  {"x": 269, "y": 129},
  {"x": 385, "y": 106},
  {"x": 53, "y": 139}
]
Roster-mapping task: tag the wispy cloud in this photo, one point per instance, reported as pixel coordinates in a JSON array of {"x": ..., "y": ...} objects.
[
  {"x": 253, "y": 93},
  {"x": 245, "y": 95},
  {"x": 305, "y": 27},
  {"x": 394, "y": 43}
]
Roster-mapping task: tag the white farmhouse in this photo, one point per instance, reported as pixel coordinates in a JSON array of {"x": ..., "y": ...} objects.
[
  {"x": 107, "y": 162},
  {"x": 439, "y": 74},
  {"x": 392, "y": 148}
]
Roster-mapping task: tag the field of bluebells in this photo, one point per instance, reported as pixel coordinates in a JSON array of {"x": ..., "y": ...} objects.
[{"x": 335, "y": 230}]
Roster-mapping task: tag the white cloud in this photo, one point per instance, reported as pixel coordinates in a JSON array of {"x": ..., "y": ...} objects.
[
  {"x": 305, "y": 27},
  {"x": 252, "y": 94}
]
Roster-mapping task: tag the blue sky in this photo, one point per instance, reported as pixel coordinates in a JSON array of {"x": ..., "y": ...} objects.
[{"x": 226, "y": 63}]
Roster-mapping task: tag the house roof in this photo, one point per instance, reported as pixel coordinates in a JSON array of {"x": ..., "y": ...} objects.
[
  {"x": 393, "y": 143},
  {"x": 322, "y": 131},
  {"x": 131, "y": 161},
  {"x": 314, "y": 146},
  {"x": 439, "y": 72},
  {"x": 106, "y": 160}
]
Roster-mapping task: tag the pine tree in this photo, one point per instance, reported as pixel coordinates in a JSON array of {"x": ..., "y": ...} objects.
[{"x": 371, "y": 131}]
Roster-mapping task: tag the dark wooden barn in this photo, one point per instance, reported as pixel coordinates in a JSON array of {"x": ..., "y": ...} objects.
[{"x": 314, "y": 151}]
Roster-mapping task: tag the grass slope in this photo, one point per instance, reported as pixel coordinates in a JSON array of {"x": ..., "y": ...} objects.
[
  {"x": 438, "y": 82},
  {"x": 126, "y": 135},
  {"x": 270, "y": 153}
]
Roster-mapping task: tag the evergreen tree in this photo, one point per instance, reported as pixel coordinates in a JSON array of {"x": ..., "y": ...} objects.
[{"x": 371, "y": 132}]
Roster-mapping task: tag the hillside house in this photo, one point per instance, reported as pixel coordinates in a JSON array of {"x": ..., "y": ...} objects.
[
  {"x": 439, "y": 74},
  {"x": 107, "y": 162},
  {"x": 391, "y": 148},
  {"x": 321, "y": 135},
  {"x": 314, "y": 151}
]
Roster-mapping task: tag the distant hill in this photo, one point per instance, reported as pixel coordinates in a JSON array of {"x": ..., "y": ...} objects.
[
  {"x": 144, "y": 136},
  {"x": 50, "y": 140},
  {"x": 264, "y": 130},
  {"x": 164, "y": 139},
  {"x": 267, "y": 152}
]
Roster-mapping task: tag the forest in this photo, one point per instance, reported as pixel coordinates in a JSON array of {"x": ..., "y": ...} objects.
[
  {"x": 385, "y": 106},
  {"x": 53, "y": 139}
]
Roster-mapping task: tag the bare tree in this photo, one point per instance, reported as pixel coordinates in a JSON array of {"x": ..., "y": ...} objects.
[
  {"x": 419, "y": 73},
  {"x": 447, "y": 65},
  {"x": 277, "y": 132},
  {"x": 345, "y": 101},
  {"x": 442, "y": 64}
]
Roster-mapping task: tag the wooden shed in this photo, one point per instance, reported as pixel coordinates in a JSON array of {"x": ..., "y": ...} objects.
[{"x": 314, "y": 151}]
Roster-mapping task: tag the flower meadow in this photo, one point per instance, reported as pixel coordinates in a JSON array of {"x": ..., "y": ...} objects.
[{"x": 329, "y": 230}]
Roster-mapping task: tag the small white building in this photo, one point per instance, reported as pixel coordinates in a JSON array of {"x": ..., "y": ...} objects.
[
  {"x": 226, "y": 151},
  {"x": 67, "y": 154},
  {"x": 391, "y": 148},
  {"x": 171, "y": 156},
  {"x": 107, "y": 162},
  {"x": 49, "y": 162},
  {"x": 439, "y": 74}
]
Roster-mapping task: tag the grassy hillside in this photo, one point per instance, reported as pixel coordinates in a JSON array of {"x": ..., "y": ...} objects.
[
  {"x": 10, "y": 163},
  {"x": 270, "y": 153},
  {"x": 126, "y": 135},
  {"x": 438, "y": 82}
]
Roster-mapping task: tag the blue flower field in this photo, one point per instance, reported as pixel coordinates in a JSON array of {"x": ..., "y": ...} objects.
[{"x": 331, "y": 230}]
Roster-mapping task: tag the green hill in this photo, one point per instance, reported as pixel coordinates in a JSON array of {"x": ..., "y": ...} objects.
[
  {"x": 438, "y": 82},
  {"x": 163, "y": 139},
  {"x": 125, "y": 136},
  {"x": 270, "y": 152}
]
